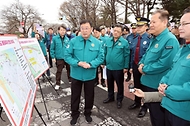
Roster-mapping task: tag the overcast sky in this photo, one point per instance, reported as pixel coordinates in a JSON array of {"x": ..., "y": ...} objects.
[{"x": 48, "y": 8}]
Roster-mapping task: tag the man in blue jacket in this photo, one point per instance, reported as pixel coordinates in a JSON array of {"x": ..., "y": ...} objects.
[
  {"x": 57, "y": 49},
  {"x": 139, "y": 46},
  {"x": 130, "y": 39},
  {"x": 84, "y": 54},
  {"x": 157, "y": 60}
]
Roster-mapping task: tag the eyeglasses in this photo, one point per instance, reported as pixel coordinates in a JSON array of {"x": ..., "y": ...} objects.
[
  {"x": 84, "y": 28},
  {"x": 184, "y": 24}
]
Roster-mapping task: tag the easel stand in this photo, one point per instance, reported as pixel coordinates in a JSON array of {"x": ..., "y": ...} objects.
[
  {"x": 40, "y": 115},
  {"x": 43, "y": 99},
  {"x": 50, "y": 83},
  {"x": 1, "y": 110}
]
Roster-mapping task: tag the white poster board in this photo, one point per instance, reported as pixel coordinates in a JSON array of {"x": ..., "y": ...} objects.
[
  {"x": 34, "y": 56},
  {"x": 17, "y": 84}
]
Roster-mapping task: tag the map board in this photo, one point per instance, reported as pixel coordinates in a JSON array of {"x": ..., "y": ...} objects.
[
  {"x": 17, "y": 84},
  {"x": 34, "y": 56}
]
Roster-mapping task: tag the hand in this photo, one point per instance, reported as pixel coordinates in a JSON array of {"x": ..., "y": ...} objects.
[
  {"x": 86, "y": 65},
  {"x": 140, "y": 69},
  {"x": 131, "y": 71},
  {"x": 81, "y": 63},
  {"x": 138, "y": 92},
  {"x": 125, "y": 70},
  {"x": 53, "y": 60},
  {"x": 162, "y": 88},
  {"x": 102, "y": 66}
]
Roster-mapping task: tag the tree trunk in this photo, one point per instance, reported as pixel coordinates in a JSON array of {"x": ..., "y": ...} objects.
[{"x": 126, "y": 12}]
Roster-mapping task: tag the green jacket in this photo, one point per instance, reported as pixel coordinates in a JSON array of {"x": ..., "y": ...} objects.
[
  {"x": 103, "y": 42},
  {"x": 91, "y": 52},
  {"x": 158, "y": 58},
  {"x": 42, "y": 46},
  {"x": 58, "y": 46},
  {"x": 117, "y": 54},
  {"x": 33, "y": 34},
  {"x": 177, "y": 100}
]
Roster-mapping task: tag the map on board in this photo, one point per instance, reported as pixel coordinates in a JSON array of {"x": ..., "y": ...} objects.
[
  {"x": 34, "y": 56},
  {"x": 17, "y": 84}
]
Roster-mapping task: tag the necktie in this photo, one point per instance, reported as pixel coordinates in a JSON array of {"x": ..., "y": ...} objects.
[
  {"x": 50, "y": 37},
  {"x": 137, "y": 50}
]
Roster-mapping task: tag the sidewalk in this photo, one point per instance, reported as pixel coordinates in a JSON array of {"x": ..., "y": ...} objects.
[{"x": 58, "y": 107}]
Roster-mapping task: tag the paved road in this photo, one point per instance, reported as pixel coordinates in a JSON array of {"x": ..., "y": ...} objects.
[{"x": 58, "y": 107}]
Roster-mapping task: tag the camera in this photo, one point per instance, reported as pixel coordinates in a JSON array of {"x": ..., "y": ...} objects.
[{"x": 131, "y": 88}]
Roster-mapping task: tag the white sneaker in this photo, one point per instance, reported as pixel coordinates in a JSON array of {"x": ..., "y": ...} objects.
[
  {"x": 62, "y": 82},
  {"x": 57, "y": 87}
]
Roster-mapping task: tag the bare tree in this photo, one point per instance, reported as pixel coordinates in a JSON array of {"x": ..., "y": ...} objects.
[
  {"x": 138, "y": 7},
  {"x": 16, "y": 14},
  {"x": 110, "y": 6},
  {"x": 75, "y": 11}
]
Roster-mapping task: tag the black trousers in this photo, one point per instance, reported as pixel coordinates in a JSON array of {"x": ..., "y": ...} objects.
[
  {"x": 50, "y": 59},
  {"x": 172, "y": 120},
  {"x": 76, "y": 88},
  {"x": 118, "y": 76},
  {"x": 128, "y": 72},
  {"x": 137, "y": 84},
  {"x": 156, "y": 111},
  {"x": 101, "y": 74}
]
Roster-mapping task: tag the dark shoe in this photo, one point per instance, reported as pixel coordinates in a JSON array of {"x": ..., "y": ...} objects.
[
  {"x": 134, "y": 106},
  {"x": 141, "y": 114},
  {"x": 103, "y": 84},
  {"x": 128, "y": 79},
  {"x": 108, "y": 100},
  {"x": 73, "y": 121},
  {"x": 119, "y": 104},
  {"x": 88, "y": 119}
]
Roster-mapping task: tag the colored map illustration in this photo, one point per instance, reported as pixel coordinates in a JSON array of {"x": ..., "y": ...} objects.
[
  {"x": 12, "y": 83},
  {"x": 35, "y": 58},
  {"x": 17, "y": 84}
]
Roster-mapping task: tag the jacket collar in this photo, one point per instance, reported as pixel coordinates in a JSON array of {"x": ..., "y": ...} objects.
[
  {"x": 118, "y": 40},
  {"x": 165, "y": 31},
  {"x": 89, "y": 39},
  {"x": 143, "y": 35}
]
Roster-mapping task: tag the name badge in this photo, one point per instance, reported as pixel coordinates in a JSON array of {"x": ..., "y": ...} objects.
[{"x": 168, "y": 47}]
